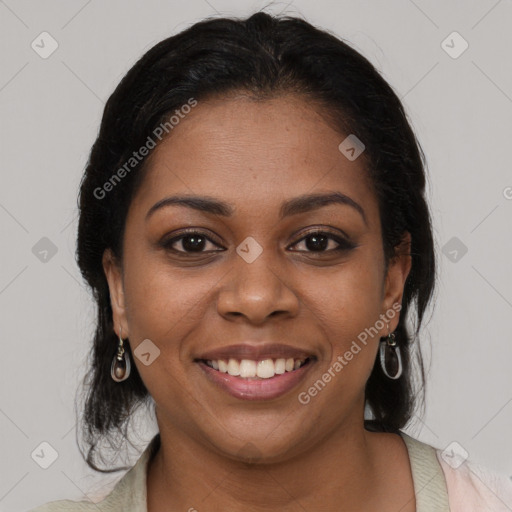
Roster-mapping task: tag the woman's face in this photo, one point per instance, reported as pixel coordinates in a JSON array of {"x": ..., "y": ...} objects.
[{"x": 253, "y": 283}]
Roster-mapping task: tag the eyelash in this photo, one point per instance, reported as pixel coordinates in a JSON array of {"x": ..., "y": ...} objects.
[{"x": 344, "y": 245}]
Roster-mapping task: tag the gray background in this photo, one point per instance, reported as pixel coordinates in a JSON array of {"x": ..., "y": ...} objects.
[{"x": 51, "y": 108}]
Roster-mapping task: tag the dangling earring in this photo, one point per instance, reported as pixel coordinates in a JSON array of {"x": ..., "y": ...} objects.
[
  {"x": 120, "y": 368},
  {"x": 390, "y": 356}
]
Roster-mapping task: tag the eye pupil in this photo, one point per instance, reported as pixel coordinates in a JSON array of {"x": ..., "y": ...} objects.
[
  {"x": 193, "y": 243},
  {"x": 319, "y": 242}
]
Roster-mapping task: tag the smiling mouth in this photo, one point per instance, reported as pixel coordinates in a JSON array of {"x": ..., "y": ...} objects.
[{"x": 249, "y": 369}]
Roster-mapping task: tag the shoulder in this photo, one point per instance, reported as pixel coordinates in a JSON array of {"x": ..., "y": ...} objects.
[
  {"x": 470, "y": 487},
  {"x": 119, "y": 499},
  {"x": 115, "y": 501},
  {"x": 128, "y": 494},
  {"x": 68, "y": 506},
  {"x": 474, "y": 487},
  {"x": 122, "y": 497}
]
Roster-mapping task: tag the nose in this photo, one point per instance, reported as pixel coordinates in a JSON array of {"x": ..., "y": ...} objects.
[{"x": 256, "y": 291}]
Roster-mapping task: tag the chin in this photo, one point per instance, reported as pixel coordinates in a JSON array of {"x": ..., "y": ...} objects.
[{"x": 260, "y": 446}]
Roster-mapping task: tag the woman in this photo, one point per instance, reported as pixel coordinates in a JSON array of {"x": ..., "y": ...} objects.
[{"x": 254, "y": 229}]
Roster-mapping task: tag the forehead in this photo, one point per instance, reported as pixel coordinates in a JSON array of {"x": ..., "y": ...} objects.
[{"x": 249, "y": 152}]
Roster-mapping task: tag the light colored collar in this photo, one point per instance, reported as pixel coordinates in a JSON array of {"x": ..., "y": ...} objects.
[
  {"x": 428, "y": 477},
  {"x": 130, "y": 493}
]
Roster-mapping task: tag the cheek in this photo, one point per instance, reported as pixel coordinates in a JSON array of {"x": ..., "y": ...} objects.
[
  {"x": 165, "y": 308},
  {"x": 347, "y": 305},
  {"x": 162, "y": 305},
  {"x": 350, "y": 297}
]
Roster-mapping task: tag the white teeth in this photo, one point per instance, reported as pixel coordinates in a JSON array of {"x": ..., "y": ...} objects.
[
  {"x": 247, "y": 368},
  {"x": 280, "y": 366},
  {"x": 233, "y": 367},
  {"x": 263, "y": 369}
]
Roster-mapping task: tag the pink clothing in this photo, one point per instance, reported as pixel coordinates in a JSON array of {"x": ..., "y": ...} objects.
[{"x": 474, "y": 488}]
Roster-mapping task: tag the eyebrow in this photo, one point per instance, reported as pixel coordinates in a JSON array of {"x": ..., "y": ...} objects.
[{"x": 300, "y": 204}]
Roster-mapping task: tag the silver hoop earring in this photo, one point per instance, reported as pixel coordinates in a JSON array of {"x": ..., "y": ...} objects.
[
  {"x": 120, "y": 368},
  {"x": 390, "y": 357}
]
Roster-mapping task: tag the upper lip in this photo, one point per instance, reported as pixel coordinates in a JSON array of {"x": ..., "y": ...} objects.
[{"x": 256, "y": 352}]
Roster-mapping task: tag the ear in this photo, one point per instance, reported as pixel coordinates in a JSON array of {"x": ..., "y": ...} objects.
[
  {"x": 398, "y": 269},
  {"x": 113, "y": 273}
]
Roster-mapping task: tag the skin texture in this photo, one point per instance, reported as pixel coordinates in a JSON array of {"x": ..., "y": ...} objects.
[{"x": 219, "y": 452}]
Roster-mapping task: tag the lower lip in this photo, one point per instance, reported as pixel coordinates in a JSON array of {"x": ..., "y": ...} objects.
[{"x": 258, "y": 389}]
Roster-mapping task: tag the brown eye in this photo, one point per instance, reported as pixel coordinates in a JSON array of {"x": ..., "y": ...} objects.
[
  {"x": 188, "y": 243},
  {"x": 322, "y": 241}
]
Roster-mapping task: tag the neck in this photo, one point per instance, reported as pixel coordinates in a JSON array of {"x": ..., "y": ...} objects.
[{"x": 341, "y": 468}]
